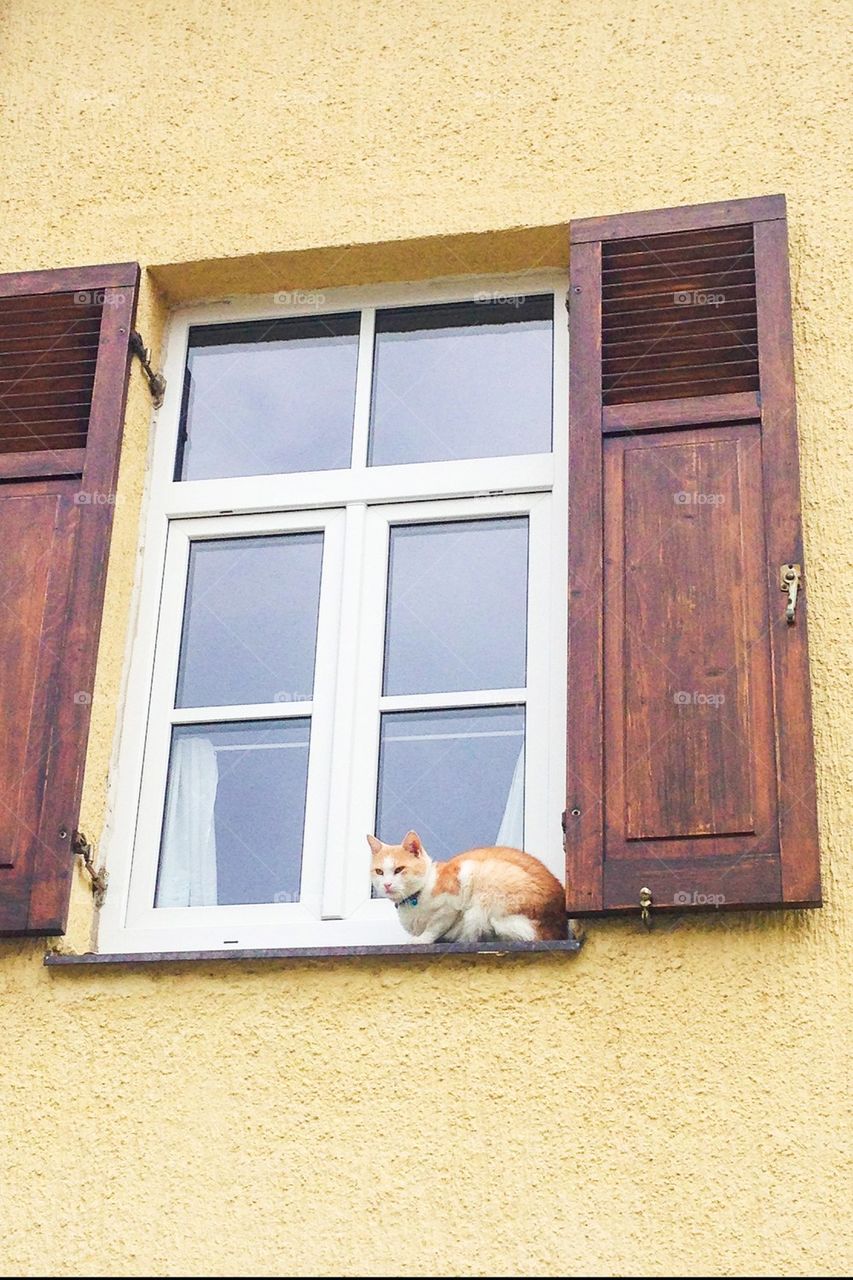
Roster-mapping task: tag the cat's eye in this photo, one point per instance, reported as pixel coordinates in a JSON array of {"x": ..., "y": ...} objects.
[{"x": 398, "y": 871}]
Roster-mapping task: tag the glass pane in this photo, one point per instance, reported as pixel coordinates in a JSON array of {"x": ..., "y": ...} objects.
[
  {"x": 462, "y": 380},
  {"x": 270, "y": 396},
  {"x": 250, "y": 620},
  {"x": 457, "y": 606},
  {"x": 455, "y": 777},
  {"x": 235, "y": 813}
]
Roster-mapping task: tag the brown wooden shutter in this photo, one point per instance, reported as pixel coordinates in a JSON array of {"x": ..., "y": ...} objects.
[
  {"x": 64, "y": 360},
  {"x": 690, "y": 757}
]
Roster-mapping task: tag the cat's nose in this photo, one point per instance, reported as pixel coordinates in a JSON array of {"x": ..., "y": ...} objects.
[{"x": 387, "y": 887}]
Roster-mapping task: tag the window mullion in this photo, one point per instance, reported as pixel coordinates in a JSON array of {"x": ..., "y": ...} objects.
[
  {"x": 538, "y": 823},
  {"x": 343, "y": 888},
  {"x": 323, "y": 712},
  {"x": 363, "y": 390}
]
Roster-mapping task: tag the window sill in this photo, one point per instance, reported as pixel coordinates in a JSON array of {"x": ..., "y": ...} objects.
[{"x": 56, "y": 959}]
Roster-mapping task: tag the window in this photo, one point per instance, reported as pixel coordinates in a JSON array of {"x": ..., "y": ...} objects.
[
  {"x": 352, "y": 610},
  {"x": 353, "y": 602}
]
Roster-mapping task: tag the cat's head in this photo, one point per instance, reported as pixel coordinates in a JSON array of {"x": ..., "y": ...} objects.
[{"x": 398, "y": 870}]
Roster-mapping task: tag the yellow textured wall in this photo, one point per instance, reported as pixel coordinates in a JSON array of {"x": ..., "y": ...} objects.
[{"x": 672, "y": 1101}]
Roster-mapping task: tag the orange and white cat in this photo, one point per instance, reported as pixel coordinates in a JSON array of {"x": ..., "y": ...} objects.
[{"x": 478, "y": 896}]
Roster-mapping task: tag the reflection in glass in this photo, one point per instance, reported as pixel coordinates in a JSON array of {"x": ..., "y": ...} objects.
[
  {"x": 457, "y": 606},
  {"x": 250, "y": 620},
  {"x": 268, "y": 396},
  {"x": 456, "y": 777},
  {"x": 462, "y": 380},
  {"x": 235, "y": 814}
]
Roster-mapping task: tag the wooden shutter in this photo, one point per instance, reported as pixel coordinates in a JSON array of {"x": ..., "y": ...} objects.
[
  {"x": 64, "y": 359},
  {"x": 690, "y": 757}
]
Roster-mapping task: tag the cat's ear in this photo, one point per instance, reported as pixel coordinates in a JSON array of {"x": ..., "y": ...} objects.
[
  {"x": 412, "y": 844},
  {"x": 375, "y": 844}
]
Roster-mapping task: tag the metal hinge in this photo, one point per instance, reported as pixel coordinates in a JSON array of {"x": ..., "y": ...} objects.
[
  {"x": 156, "y": 381},
  {"x": 99, "y": 876}
]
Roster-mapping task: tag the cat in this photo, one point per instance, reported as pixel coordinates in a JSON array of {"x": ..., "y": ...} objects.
[{"x": 481, "y": 895}]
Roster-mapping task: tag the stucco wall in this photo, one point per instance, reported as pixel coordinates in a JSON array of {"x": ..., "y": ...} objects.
[{"x": 672, "y": 1101}]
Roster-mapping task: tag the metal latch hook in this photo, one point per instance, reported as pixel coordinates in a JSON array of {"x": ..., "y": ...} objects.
[{"x": 790, "y": 579}]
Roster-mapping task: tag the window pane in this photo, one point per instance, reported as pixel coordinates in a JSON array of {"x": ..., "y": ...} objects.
[
  {"x": 250, "y": 620},
  {"x": 462, "y": 380},
  {"x": 268, "y": 396},
  {"x": 457, "y": 606},
  {"x": 455, "y": 777},
  {"x": 235, "y": 813}
]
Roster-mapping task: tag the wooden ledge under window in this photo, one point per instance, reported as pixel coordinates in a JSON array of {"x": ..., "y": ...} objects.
[{"x": 56, "y": 959}]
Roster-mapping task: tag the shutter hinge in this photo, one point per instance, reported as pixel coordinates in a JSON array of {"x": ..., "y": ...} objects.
[
  {"x": 156, "y": 381},
  {"x": 99, "y": 876}
]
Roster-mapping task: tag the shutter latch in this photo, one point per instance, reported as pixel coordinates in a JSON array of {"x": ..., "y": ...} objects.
[
  {"x": 790, "y": 576},
  {"x": 99, "y": 877},
  {"x": 645, "y": 906},
  {"x": 156, "y": 381}
]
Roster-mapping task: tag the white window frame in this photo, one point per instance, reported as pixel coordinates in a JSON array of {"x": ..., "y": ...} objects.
[
  {"x": 355, "y": 508},
  {"x": 163, "y": 715}
]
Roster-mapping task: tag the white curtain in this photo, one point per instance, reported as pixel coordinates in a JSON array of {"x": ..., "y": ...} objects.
[
  {"x": 188, "y": 860},
  {"x": 511, "y": 830}
]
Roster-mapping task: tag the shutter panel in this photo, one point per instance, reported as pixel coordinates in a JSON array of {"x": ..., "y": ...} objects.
[
  {"x": 690, "y": 756},
  {"x": 64, "y": 359}
]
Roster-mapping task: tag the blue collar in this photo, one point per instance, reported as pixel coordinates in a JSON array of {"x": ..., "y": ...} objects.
[{"x": 411, "y": 901}]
